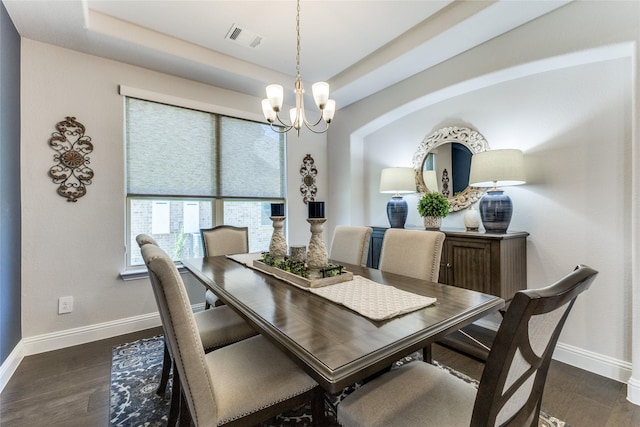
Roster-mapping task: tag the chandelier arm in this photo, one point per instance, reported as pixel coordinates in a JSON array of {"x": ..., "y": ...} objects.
[
  {"x": 309, "y": 124},
  {"x": 285, "y": 129},
  {"x": 287, "y": 126},
  {"x": 326, "y": 128}
]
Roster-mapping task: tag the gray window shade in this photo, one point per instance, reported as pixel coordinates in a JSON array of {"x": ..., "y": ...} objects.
[
  {"x": 250, "y": 159},
  {"x": 175, "y": 151},
  {"x": 170, "y": 150}
]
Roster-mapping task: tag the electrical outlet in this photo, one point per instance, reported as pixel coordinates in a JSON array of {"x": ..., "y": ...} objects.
[{"x": 65, "y": 305}]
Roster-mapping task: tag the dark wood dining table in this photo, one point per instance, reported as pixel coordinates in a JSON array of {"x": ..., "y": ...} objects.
[{"x": 333, "y": 344}]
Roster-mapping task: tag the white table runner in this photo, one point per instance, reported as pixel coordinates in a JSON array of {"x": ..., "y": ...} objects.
[
  {"x": 366, "y": 297},
  {"x": 373, "y": 300}
]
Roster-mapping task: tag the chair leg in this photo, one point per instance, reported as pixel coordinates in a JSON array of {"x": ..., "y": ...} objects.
[
  {"x": 185, "y": 415},
  {"x": 427, "y": 354},
  {"x": 317, "y": 408},
  {"x": 166, "y": 368},
  {"x": 176, "y": 392}
]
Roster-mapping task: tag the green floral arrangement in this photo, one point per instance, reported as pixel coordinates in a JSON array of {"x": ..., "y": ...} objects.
[
  {"x": 299, "y": 268},
  {"x": 433, "y": 204}
]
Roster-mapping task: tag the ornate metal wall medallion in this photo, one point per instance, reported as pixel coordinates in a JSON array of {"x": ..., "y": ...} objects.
[
  {"x": 445, "y": 183},
  {"x": 71, "y": 170},
  {"x": 308, "y": 172}
]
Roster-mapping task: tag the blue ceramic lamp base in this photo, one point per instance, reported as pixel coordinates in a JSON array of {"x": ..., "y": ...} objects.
[
  {"x": 397, "y": 210},
  {"x": 496, "y": 210}
]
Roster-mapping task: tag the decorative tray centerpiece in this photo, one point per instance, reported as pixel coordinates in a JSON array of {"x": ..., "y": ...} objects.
[{"x": 298, "y": 273}]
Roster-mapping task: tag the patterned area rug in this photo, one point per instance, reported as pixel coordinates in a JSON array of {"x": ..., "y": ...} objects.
[{"x": 135, "y": 374}]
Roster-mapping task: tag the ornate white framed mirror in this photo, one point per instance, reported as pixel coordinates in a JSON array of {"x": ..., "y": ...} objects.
[{"x": 442, "y": 162}]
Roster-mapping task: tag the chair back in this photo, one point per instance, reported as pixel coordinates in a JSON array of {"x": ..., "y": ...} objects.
[
  {"x": 225, "y": 240},
  {"x": 144, "y": 239},
  {"x": 413, "y": 253},
  {"x": 182, "y": 334},
  {"x": 513, "y": 379},
  {"x": 350, "y": 244}
]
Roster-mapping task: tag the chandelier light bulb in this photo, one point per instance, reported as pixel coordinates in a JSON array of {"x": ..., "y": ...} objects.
[
  {"x": 329, "y": 110},
  {"x": 293, "y": 116},
  {"x": 275, "y": 95},
  {"x": 268, "y": 111},
  {"x": 320, "y": 93}
]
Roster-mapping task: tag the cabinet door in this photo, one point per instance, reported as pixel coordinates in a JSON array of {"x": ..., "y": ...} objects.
[{"x": 468, "y": 264}]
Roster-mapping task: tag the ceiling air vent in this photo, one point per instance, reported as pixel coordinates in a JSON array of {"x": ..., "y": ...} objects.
[{"x": 244, "y": 37}]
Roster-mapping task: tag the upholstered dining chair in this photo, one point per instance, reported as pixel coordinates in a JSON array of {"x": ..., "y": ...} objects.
[
  {"x": 413, "y": 253},
  {"x": 350, "y": 244},
  {"x": 217, "y": 327},
  {"x": 240, "y": 384},
  {"x": 512, "y": 383},
  {"x": 143, "y": 239},
  {"x": 223, "y": 240}
]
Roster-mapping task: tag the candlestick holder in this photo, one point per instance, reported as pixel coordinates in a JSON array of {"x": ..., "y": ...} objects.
[
  {"x": 278, "y": 245},
  {"x": 317, "y": 258}
]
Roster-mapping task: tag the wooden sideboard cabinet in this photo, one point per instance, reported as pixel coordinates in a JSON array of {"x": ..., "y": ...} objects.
[{"x": 495, "y": 264}]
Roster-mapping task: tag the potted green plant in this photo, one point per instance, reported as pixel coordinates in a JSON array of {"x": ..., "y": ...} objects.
[{"x": 433, "y": 207}]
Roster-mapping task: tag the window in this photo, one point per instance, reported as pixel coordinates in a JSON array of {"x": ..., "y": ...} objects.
[{"x": 189, "y": 169}]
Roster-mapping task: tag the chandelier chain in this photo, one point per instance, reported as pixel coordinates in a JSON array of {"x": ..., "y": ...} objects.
[{"x": 298, "y": 41}]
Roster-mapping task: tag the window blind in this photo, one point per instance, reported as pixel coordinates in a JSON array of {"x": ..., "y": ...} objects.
[{"x": 175, "y": 151}]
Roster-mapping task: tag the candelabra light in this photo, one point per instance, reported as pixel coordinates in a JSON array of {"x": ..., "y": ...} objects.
[{"x": 272, "y": 105}]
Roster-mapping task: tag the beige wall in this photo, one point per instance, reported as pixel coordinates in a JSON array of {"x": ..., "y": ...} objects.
[
  {"x": 561, "y": 88},
  {"x": 77, "y": 248},
  {"x": 593, "y": 43}
]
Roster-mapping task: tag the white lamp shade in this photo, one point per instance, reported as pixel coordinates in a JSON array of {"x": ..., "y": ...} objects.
[
  {"x": 497, "y": 168},
  {"x": 329, "y": 110},
  {"x": 398, "y": 180},
  {"x": 297, "y": 117},
  {"x": 275, "y": 95},
  {"x": 268, "y": 111},
  {"x": 320, "y": 92}
]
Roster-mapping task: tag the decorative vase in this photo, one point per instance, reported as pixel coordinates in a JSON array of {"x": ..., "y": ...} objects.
[
  {"x": 317, "y": 254},
  {"x": 298, "y": 253},
  {"x": 496, "y": 210},
  {"x": 397, "y": 211},
  {"x": 278, "y": 245},
  {"x": 472, "y": 219},
  {"x": 432, "y": 222}
]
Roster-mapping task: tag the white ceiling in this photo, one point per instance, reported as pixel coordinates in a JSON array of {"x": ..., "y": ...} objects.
[{"x": 359, "y": 47}]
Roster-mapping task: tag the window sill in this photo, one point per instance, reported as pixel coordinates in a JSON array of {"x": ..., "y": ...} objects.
[{"x": 142, "y": 273}]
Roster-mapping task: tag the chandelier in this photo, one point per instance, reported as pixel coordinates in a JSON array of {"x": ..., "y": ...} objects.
[{"x": 272, "y": 105}]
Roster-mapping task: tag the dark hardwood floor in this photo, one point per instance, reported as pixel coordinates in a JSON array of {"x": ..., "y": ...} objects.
[{"x": 70, "y": 387}]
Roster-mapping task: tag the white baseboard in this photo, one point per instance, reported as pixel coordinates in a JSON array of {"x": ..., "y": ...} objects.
[
  {"x": 606, "y": 366},
  {"x": 10, "y": 365},
  {"x": 633, "y": 391},
  {"x": 593, "y": 362},
  {"x": 70, "y": 337}
]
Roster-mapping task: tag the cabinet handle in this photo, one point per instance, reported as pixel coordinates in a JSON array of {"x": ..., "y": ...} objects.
[{"x": 448, "y": 265}]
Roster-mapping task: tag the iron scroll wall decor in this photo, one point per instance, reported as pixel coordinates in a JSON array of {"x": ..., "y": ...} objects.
[
  {"x": 71, "y": 170},
  {"x": 308, "y": 172}
]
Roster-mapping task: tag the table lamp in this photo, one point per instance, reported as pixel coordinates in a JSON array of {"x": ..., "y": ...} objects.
[
  {"x": 397, "y": 181},
  {"x": 492, "y": 169}
]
